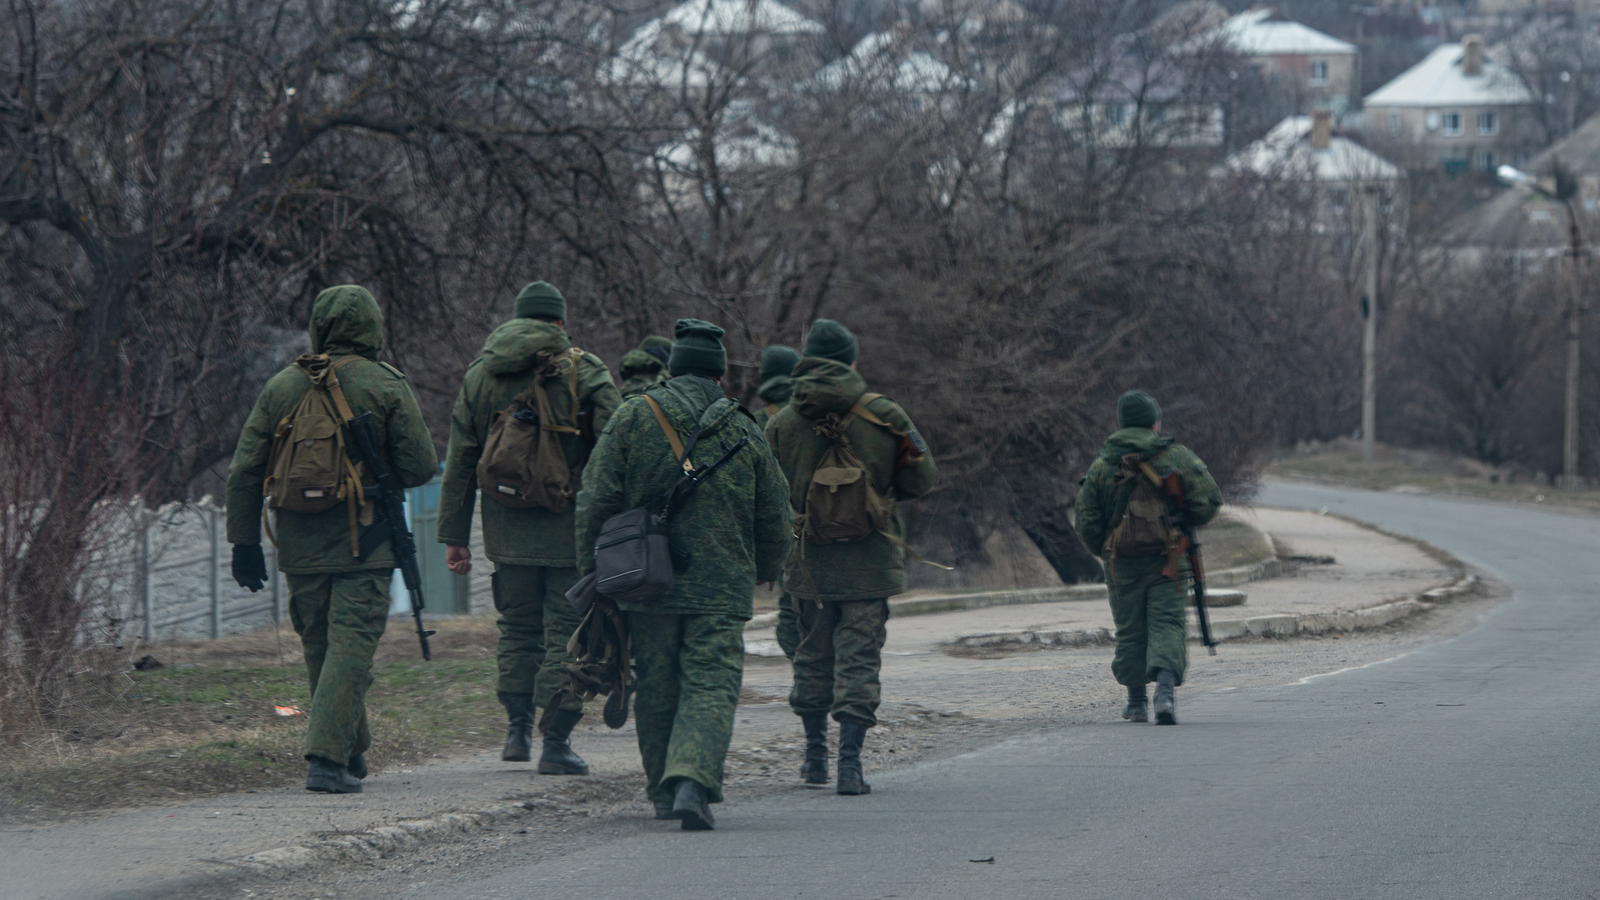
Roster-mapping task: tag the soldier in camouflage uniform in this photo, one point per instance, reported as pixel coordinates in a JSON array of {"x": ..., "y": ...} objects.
[
  {"x": 532, "y": 548},
  {"x": 339, "y": 605},
  {"x": 688, "y": 647},
  {"x": 843, "y": 626},
  {"x": 777, "y": 363},
  {"x": 645, "y": 366},
  {"x": 1150, "y": 609}
]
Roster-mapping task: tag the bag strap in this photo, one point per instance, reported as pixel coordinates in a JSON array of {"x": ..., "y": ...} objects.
[
  {"x": 671, "y": 433},
  {"x": 860, "y": 411},
  {"x": 572, "y": 382}
]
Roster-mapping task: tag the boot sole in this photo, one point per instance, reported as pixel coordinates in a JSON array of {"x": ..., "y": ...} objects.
[
  {"x": 558, "y": 769},
  {"x": 854, "y": 790},
  {"x": 1139, "y": 717},
  {"x": 693, "y": 820},
  {"x": 329, "y": 786},
  {"x": 516, "y": 757},
  {"x": 1167, "y": 717}
]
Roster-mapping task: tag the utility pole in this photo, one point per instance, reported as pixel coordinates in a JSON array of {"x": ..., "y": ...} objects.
[
  {"x": 1369, "y": 341},
  {"x": 1569, "y": 449}
]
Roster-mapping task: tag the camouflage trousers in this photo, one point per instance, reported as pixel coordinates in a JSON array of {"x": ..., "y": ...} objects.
[
  {"x": 536, "y": 621},
  {"x": 340, "y": 618},
  {"x": 690, "y": 669},
  {"x": 840, "y": 655},
  {"x": 1152, "y": 616},
  {"x": 788, "y": 625}
]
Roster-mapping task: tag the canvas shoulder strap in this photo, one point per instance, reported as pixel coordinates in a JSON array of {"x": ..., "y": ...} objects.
[
  {"x": 671, "y": 433},
  {"x": 860, "y": 411}
]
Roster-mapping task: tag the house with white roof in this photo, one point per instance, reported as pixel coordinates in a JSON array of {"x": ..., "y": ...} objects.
[
  {"x": 1320, "y": 66},
  {"x": 1327, "y": 170},
  {"x": 1458, "y": 108},
  {"x": 883, "y": 61},
  {"x": 700, "y": 41}
]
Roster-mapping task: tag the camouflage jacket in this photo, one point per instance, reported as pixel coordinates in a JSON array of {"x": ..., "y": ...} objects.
[
  {"x": 736, "y": 527},
  {"x": 344, "y": 320},
  {"x": 525, "y": 537},
  {"x": 873, "y": 566},
  {"x": 640, "y": 372},
  {"x": 1101, "y": 501}
]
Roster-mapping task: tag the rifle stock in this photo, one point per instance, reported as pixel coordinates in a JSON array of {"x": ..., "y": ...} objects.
[
  {"x": 389, "y": 503},
  {"x": 1190, "y": 545}
]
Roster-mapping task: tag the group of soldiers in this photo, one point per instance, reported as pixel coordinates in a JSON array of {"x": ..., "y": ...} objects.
[{"x": 746, "y": 525}]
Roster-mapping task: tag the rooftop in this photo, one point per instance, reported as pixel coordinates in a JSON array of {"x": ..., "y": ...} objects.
[
  {"x": 1262, "y": 32},
  {"x": 1528, "y": 219},
  {"x": 882, "y": 57},
  {"x": 1439, "y": 81},
  {"x": 1285, "y": 152},
  {"x": 732, "y": 17}
]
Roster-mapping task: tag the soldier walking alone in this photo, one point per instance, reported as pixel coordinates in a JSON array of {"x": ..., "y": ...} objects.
[
  {"x": 688, "y": 646},
  {"x": 1125, "y": 518},
  {"x": 524, "y": 396},
  {"x": 849, "y": 457},
  {"x": 338, "y": 602}
]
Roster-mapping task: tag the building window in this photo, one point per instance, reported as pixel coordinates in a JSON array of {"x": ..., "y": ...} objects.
[
  {"x": 1319, "y": 72},
  {"x": 1394, "y": 124},
  {"x": 1485, "y": 161},
  {"x": 1451, "y": 121},
  {"x": 1488, "y": 123}
]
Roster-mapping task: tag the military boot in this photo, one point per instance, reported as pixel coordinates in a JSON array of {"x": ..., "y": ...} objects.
[
  {"x": 519, "y": 737},
  {"x": 691, "y": 804},
  {"x": 558, "y": 758},
  {"x": 851, "y": 781},
  {"x": 664, "y": 809},
  {"x": 328, "y": 777},
  {"x": 1166, "y": 704},
  {"x": 1137, "y": 709},
  {"x": 357, "y": 765},
  {"x": 815, "y": 768}
]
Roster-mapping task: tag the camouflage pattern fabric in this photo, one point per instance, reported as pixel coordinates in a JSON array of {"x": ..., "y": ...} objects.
[
  {"x": 344, "y": 320},
  {"x": 872, "y": 567},
  {"x": 640, "y": 372},
  {"x": 536, "y": 621},
  {"x": 788, "y": 630},
  {"x": 690, "y": 670},
  {"x": 340, "y": 618},
  {"x": 736, "y": 527},
  {"x": 522, "y": 537},
  {"x": 1150, "y": 609},
  {"x": 1152, "y": 616},
  {"x": 840, "y": 655}
]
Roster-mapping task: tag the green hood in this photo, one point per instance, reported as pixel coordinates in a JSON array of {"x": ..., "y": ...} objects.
[
  {"x": 638, "y": 362},
  {"x": 1142, "y": 441},
  {"x": 514, "y": 346},
  {"x": 698, "y": 394},
  {"x": 823, "y": 386},
  {"x": 346, "y": 320},
  {"x": 778, "y": 389}
]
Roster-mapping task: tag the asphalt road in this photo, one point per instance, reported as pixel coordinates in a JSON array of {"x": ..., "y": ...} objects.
[{"x": 1463, "y": 770}]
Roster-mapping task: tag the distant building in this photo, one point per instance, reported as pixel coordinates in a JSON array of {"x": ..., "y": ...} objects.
[
  {"x": 1141, "y": 98},
  {"x": 1532, "y": 225},
  {"x": 1321, "y": 67},
  {"x": 698, "y": 41},
  {"x": 1305, "y": 150},
  {"x": 1459, "y": 108}
]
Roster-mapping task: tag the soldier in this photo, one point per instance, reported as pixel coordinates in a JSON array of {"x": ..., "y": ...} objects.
[
  {"x": 843, "y": 588},
  {"x": 645, "y": 366},
  {"x": 1122, "y": 517},
  {"x": 339, "y": 604},
  {"x": 777, "y": 363},
  {"x": 531, "y": 546},
  {"x": 688, "y": 647}
]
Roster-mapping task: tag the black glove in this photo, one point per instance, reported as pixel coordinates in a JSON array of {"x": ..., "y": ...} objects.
[{"x": 249, "y": 566}]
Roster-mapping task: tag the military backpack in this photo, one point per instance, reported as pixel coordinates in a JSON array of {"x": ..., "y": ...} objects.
[
  {"x": 308, "y": 468},
  {"x": 524, "y": 463},
  {"x": 1146, "y": 526}
]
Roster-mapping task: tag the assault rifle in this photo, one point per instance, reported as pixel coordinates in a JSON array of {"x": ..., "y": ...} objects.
[
  {"x": 389, "y": 500},
  {"x": 1188, "y": 543}
]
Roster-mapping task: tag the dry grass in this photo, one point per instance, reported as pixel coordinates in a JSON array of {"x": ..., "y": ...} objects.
[{"x": 1424, "y": 471}]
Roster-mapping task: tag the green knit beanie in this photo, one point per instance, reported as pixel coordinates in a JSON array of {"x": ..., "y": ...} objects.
[
  {"x": 541, "y": 299},
  {"x": 1136, "y": 409},
  {"x": 657, "y": 346},
  {"x": 697, "y": 350},
  {"x": 777, "y": 361},
  {"x": 830, "y": 340}
]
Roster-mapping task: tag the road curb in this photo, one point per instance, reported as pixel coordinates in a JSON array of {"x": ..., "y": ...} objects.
[
  {"x": 917, "y": 606},
  {"x": 1257, "y": 626},
  {"x": 385, "y": 841}
]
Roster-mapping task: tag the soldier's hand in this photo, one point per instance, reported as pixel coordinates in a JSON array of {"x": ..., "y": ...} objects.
[
  {"x": 458, "y": 559},
  {"x": 249, "y": 566}
]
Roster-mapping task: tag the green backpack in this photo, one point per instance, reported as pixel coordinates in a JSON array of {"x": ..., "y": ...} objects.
[
  {"x": 1146, "y": 526},
  {"x": 308, "y": 468},
  {"x": 524, "y": 463}
]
